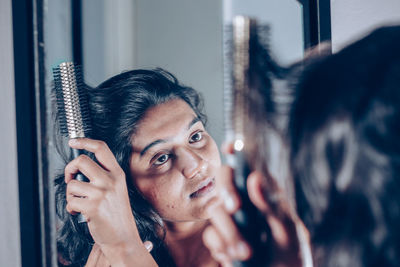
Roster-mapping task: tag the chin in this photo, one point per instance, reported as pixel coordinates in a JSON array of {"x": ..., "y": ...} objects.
[{"x": 212, "y": 201}]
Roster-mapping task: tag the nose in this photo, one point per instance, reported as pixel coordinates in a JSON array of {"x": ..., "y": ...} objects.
[{"x": 190, "y": 162}]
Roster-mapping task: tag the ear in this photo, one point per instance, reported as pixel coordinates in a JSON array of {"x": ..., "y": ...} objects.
[
  {"x": 255, "y": 190},
  {"x": 282, "y": 227}
]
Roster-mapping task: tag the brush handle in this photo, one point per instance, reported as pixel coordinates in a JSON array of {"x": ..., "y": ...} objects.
[
  {"x": 80, "y": 177},
  {"x": 251, "y": 223}
]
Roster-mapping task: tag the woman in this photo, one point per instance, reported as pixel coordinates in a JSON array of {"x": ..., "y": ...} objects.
[{"x": 151, "y": 177}]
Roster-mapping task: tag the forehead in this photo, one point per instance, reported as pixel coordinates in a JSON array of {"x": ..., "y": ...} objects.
[{"x": 162, "y": 121}]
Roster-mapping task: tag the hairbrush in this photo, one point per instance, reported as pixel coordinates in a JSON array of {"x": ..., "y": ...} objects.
[
  {"x": 73, "y": 110},
  {"x": 250, "y": 221}
]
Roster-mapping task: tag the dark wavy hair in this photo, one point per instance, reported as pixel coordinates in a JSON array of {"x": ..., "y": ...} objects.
[
  {"x": 338, "y": 120},
  {"x": 116, "y": 109},
  {"x": 345, "y": 153}
]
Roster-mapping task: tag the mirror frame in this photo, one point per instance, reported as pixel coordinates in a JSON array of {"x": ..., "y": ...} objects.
[
  {"x": 36, "y": 197},
  {"x": 316, "y": 22}
]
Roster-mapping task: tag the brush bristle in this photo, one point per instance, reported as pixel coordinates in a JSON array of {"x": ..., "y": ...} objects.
[
  {"x": 228, "y": 84},
  {"x": 71, "y": 99},
  {"x": 243, "y": 32},
  {"x": 256, "y": 33}
]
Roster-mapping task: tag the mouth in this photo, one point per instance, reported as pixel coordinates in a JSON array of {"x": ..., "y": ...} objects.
[{"x": 204, "y": 188}]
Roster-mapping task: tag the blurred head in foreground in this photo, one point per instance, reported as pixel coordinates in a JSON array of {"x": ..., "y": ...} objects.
[{"x": 345, "y": 153}]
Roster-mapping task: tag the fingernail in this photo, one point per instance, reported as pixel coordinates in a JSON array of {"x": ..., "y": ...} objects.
[
  {"x": 242, "y": 249},
  {"x": 72, "y": 142},
  {"x": 232, "y": 252},
  {"x": 148, "y": 245},
  {"x": 221, "y": 257},
  {"x": 228, "y": 201},
  {"x": 230, "y": 160}
]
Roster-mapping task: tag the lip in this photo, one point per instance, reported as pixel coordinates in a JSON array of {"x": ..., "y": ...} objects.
[{"x": 204, "y": 188}]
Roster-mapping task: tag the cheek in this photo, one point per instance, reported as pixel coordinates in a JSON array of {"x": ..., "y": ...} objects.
[
  {"x": 164, "y": 196},
  {"x": 213, "y": 154}
]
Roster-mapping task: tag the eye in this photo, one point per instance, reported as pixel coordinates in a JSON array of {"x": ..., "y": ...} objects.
[
  {"x": 161, "y": 159},
  {"x": 198, "y": 136}
]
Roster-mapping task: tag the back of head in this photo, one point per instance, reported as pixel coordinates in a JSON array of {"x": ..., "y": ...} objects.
[{"x": 345, "y": 157}]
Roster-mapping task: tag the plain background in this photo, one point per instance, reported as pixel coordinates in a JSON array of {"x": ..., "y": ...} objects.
[{"x": 9, "y": 207}]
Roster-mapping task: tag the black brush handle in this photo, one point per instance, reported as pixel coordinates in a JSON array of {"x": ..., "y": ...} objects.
[
  {"x": 251, "y": 223},
  {"x": 80, "y": 177}
]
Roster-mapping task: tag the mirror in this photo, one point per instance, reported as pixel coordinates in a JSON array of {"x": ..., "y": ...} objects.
[{"x": 183, "y": 37}]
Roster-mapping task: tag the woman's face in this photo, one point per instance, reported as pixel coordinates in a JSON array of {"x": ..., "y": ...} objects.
[{"x": 174, "y": 162}]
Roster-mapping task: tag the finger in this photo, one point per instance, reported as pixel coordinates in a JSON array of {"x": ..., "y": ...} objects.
[
  {"x": 76, "y": 205},
  {"x": 228, "y": 231},
  {"x": 101, "y": 150},
  {"x": 278, "y": 225},
  {"x": 89, "y": 168},
  {"x": 97, "y": 258},
  {"x": 255, "y": 189},
  {"x": 89, "y": 206},
  {"x": 225, "y": 262},
  {"x": 103, "y": 261},
  {"x": 80, "y": 189},
  {"x": 227, "y": 189},
  {"x": 148, "y": 245},
  {"x": 83, "y": 206},
  {"x": 94, "y": 256},
  {"x": 216, "y": 245},
  {"x": 227, "y": 148}
]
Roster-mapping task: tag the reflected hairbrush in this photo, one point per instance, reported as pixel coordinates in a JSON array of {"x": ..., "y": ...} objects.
[
  {"x": 72, "y": 105},
  {"x": 249, "y": 220}
]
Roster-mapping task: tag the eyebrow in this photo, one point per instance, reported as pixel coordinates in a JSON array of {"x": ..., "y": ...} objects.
[
  {"x": 193, "y": 122},
  {"x": 160, "y": 141}
]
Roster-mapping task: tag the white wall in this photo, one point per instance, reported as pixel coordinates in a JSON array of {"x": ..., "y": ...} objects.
[
  {"x": 108, "y": 38},
  {"x": 185, "y": 38},
  {"x": 352, "y": 19},
  {"x": 9, "y": 207},
  {"x": 58, "y": 48},
  {"x": 285, "y": 19}
]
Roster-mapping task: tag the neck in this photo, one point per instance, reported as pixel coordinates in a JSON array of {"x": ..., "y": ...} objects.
[
  {"x": 184, "y": 241},
  {"x": 181, "y": 231}
]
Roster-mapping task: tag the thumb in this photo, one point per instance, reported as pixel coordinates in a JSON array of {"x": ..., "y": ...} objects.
[{"x": 148, "y": 245}]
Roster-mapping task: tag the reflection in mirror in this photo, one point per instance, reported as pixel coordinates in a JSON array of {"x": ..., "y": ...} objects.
[
  {"x": 183, "y": 37},
  {"x": 280, "y": 30},
  {"x": 284, "y": 18}
]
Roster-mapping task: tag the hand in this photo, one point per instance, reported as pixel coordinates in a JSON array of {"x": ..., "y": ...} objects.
[
  {"x": 103, "y": 201},
  {"x": 98, "y": 259},
  {"x": 225, "y": 241}
]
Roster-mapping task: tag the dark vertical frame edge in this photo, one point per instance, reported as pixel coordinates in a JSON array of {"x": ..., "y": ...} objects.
[
  {"x": 325, "y": 30},
  {"x": 316, "y": 22},
  {"x": 22, "y": 11},
  {"x": 37, "y": 210},
  {"x": 77, "y": 40},
  {"x": 45, "y": 182}
]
